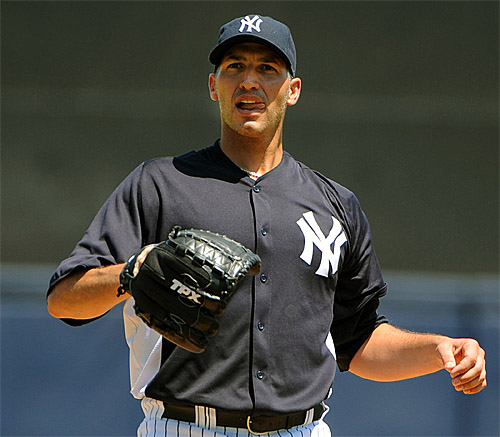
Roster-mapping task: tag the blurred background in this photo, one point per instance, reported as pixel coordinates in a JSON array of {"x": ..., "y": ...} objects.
[{"x": 399, "y": 103}]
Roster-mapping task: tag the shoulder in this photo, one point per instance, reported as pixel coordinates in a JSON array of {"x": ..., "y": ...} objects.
[
  {"x": 206, "y": 163},
  {"x": 339, "y": 199},
  {"x": 192, "y": 157},
  {"x": 154, "y": 166},
  {"x": 334, "y": 190},
  {"x": 165, "y": 166}
]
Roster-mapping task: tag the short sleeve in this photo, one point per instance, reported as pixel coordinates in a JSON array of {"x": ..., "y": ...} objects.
[
  {"x": 359, "y": 288},
  {"x": 116, "y": 232}
]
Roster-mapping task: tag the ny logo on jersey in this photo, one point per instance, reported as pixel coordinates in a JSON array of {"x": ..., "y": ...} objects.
[
  {"x": 250, "y": 23},
  {"x": 185, "y": 291},
  {"x": 313, "y": 236}
]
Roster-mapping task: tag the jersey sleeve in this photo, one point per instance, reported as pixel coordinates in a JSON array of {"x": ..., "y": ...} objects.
[
  {"x": 359, "y": 288},
  {"x": 116, "y": 232}
]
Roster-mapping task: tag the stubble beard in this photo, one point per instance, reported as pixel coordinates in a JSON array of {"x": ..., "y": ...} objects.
[{"x": 267, "y": 122}]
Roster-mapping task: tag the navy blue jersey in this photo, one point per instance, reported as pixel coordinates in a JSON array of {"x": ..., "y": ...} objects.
[{"x": 320, "y": 278}]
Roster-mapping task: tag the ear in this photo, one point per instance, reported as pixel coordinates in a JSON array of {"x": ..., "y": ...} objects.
[
  {"x": 212, "y": 82},
  {"x": 295, "y": 87}
]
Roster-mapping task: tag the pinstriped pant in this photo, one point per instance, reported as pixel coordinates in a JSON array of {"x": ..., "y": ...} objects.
[{"x": 154, "y": 425}]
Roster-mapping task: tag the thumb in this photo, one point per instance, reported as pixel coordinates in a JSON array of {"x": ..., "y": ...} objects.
[{"x": 445, "y": 351}]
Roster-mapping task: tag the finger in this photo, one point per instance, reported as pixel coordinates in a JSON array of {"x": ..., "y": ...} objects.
[
  {"x": 141, "y": 257},
  {"x": 474, "y": 372},
  {"x": 476, "y": 389},
  {"x": 474, "y": 380},
  {"x": 477, "y": 373},
  {"x": 465, "y": 366},
  {"x": 474, "y": 386},
  {"x": 470, "y": 364},
  {"x": 461, "y": 385}
]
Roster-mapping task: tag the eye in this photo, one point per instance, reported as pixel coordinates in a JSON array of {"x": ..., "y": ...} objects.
[
  {"x": 267, "y": 68},
  {"x": 235, "y": 66}
]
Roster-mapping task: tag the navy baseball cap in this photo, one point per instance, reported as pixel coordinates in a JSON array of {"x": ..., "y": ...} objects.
[{"x": 262, "y": 30}]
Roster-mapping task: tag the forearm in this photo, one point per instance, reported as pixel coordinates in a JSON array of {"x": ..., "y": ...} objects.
[
  {"x": 85, "y": 295},
  {"x": 391, "y": 354}
]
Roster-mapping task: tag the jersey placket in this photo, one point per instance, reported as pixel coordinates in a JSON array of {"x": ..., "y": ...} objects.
[{"x": 261, "y": 371}]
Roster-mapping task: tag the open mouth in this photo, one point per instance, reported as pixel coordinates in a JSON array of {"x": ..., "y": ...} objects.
[{"x": 251, "y": 105}]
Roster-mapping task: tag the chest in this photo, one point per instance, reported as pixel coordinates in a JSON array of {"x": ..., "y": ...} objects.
[{"x": 290, "y": 226}]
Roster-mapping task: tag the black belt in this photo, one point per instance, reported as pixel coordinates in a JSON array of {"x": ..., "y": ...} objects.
[{"x": 255, "y": 424}]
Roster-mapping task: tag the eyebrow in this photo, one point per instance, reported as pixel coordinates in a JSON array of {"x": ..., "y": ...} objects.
[{"x": 264, "y": 58}]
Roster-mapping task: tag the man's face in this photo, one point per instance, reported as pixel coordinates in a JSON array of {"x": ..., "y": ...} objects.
[{"x": 253, "y": 87}]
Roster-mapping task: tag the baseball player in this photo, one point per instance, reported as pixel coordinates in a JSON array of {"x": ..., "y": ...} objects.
[{"x": 313, "y": 305}]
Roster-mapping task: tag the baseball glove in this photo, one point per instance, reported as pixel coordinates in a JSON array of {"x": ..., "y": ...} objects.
[{"x": 185, "y": 282}]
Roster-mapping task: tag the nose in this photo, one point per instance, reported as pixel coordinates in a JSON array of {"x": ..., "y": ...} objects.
[{"x": 249, "y": 80}]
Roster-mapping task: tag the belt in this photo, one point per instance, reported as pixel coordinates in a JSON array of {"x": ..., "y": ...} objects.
[{"x": 259, "y": 424}]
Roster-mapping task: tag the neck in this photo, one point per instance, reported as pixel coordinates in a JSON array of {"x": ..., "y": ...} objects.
[{"x": 257, "y": 155}]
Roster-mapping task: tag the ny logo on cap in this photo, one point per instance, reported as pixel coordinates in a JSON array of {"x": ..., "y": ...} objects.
[{"x": 250, "y": 23}]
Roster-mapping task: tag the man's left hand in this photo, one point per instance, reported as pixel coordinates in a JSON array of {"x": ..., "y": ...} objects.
[{"x": 464, "y": 360}]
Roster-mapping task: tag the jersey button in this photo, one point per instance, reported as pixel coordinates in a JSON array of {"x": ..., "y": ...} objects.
[
  {"x": 263, "y": 278},
  {"x": 256, "y": 188},
  {"x": 263, "y": 231},
  {"x": 260, "y": 325},
  {"x": 260, "y": 374}
]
